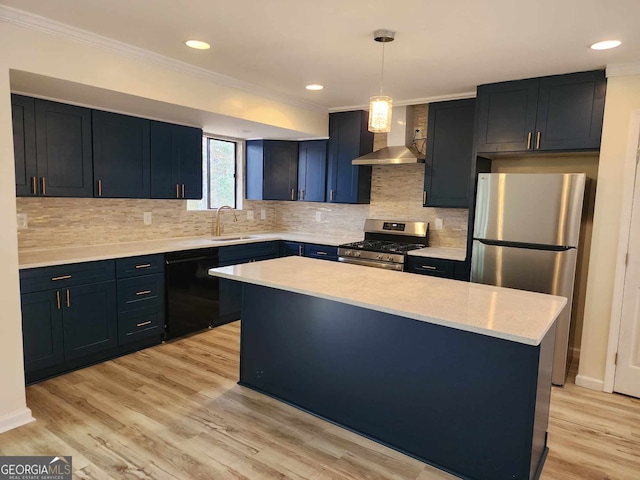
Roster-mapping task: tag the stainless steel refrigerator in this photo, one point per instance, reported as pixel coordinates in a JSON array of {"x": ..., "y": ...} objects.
[{"x": 525, "y": 236}]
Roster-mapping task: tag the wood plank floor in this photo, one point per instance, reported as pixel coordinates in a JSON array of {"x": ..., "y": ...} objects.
[{"x": 175, "y": 412}]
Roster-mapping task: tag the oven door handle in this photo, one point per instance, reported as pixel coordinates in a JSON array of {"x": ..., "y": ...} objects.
[{"x": 371, "y": 263}]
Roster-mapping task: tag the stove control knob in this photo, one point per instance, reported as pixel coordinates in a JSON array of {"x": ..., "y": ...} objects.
[
  {"x": 379, "y": 257},
  {"x": 348, "y": 253},
  {"x": 358, "y": 254},
  {"x": 389, "y": 258}
]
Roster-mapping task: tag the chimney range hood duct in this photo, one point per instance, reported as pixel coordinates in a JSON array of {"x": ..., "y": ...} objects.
[{"x": 397, "y": 153}]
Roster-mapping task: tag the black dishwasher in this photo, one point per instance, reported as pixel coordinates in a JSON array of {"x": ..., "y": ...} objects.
[{"x": 193, "y": 297}]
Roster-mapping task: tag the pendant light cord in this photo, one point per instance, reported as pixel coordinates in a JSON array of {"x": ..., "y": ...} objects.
[{"x": 382, "y": 70}]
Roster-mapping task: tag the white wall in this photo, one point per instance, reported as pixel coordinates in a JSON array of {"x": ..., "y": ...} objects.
[
  {"x": 56, "y": 56},
  {"x": 623, "y": 98}
]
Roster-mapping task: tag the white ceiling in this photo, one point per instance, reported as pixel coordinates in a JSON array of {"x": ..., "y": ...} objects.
[{"x": 442, "y": 48}]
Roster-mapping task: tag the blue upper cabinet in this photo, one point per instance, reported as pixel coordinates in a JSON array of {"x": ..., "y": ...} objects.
[
  {"x": 312, "y": 170},
  {"x": 63, "y": 140},
  {"x": 24, "y": 145},
  {"x": 348, "y": 139},
  {"x": 176, "y": 161},
  {"x": 449, "y": 154},
  {"x": 557, "y": 113},
  {"x": 52, "y": 148},
  {"x": 121, "y": 156},
  {"x": 272, "y": 170}
]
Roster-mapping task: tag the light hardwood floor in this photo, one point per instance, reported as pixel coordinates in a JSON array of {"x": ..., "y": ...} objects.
[{"x": 175, "y": 412}]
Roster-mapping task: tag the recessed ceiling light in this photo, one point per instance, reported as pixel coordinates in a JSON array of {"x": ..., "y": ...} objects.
[
  {"x": 606, "y": 45},
  {"x": 314, "y": 86},
  {"x": 198, "y": 44}
]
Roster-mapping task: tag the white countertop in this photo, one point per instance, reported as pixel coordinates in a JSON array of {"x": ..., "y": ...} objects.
[
  {"x": 514, "y": 315},
  {"x": 34, "y": 258},
  {"x": 447, "y": 253}
]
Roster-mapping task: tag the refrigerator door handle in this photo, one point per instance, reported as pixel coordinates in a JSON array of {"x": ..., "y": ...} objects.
[{"x": 531, "y": 246}]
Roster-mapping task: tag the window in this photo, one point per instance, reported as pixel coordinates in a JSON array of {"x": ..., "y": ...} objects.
[{"x": 219, "y": 159}]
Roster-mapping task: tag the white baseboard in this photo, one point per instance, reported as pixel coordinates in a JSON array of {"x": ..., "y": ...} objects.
[
  {"x": 590, "y": 382},
  {"x": 15, "y": 419}
]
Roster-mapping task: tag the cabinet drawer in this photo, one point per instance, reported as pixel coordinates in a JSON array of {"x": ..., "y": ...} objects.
[
  {"x": 137, "y": 266},
  {"x": 431, "y": 266},
  {"x": 243, "y": 253},
  {"x": 140, "y": 292},
  {"x": 321, "y": 251},
  {"x": 64, "y": 276},
  {"x": 140, "y": 324}
]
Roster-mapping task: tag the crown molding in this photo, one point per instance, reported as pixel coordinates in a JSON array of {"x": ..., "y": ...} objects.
[
  {"x": 622, "y": 69},
  {"x": 52, "y": 27},
  {"x": 413, "y": 101}
]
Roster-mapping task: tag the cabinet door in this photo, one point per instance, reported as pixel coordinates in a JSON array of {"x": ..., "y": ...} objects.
[
  {"x": 121, "y": 155},
  {"x": 506, "y": 116},
  {"x": 291, "y": 249},
  {"x": 63, "y": 136},
  {"x": 187, "y": 149},
  {"x": 90, "y": 319},
  {"x": 570, "y": 111},
  {"x": 280, "y": 170},
  {"x": 176, "y": 161},
  {"x": 24, "y": 144},
  {"x": 41, "y": 330},
  {"x": 449, "y": 154},
  {"x": 312, "y": 171},
  {"x": 348, "y": 139}
]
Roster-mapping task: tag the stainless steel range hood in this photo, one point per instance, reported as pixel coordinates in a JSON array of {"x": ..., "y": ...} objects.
[{"x": 397, "y": 152}]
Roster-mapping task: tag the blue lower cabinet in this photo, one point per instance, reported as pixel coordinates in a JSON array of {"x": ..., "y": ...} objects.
[
  {"x": 90, "y": 319},
  {"x": 230, "y": 290},
  {"x": 42, "y": 329},
  {"x": 291, "y": 249},
  {"x": 438, "y": 267},
  {"x": 323, "y": 252}
]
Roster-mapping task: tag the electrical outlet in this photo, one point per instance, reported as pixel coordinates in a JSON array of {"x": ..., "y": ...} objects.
[
  {"x": 249, "y": 214},
  {"x": 22, "y": 221},
  {"x": 147, "y": 218},
  {"x": 438, "y": 224},
  {"x": 318, "y": 216},
  {"x": 263, "y": 214}
]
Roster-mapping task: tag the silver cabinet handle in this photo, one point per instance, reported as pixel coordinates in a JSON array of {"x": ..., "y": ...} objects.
[
  {"x": 143, "y": 323},
  {"x": 429, "y": 267},
  {"x": 331, "y": 195},
  {"x": 424, "y": 197},
  {"x": 144, "y": 265},
  {"x": 144, "y": 292},
  {"x": 538, "y": 135},
  {"x": 321, "y": 253},
  {"x": 63, "y": 277},
  {"x": 293, "y": 194},
  {"x": 300, "y": 250},
  {"x": 183, "y": 190},
  {"x": 529, "y": 141}
]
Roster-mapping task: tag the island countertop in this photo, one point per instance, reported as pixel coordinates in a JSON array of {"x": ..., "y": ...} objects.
[{"x": 514, "y": 315}]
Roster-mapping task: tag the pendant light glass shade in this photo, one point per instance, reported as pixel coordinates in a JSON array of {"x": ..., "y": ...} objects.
[{"x": 380, "y": 114}]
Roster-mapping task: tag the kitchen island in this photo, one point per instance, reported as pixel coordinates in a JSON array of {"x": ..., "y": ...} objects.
[{"x": 455, "y": 374}]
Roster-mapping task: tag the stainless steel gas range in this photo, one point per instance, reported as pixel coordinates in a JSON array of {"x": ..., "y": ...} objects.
[{"x": 385, "y": 244}]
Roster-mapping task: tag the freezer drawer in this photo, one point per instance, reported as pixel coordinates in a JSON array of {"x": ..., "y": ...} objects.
[
  {"x": 544, "y": 271},
  {"x": 541, "y": 209}
]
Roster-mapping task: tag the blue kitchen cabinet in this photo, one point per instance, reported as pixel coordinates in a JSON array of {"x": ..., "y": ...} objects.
[
  {"x": 24, "y": 145},
  {"x": 556, "y": 113},
  {"x": 323, "y": 252},
  {"x": 63, "y": 150},
  {"x": 176, "y": 161},
  {"x": 271, "y": 170},
  {"x": 348, "y": 140},
  {"x": 90, "y": 319},
  {"x": 291, "y": 249},
  {"x": 312, "y": 170},
  {"x": 449, "y": 155},
  {"x": 121, "y": 155},
  {"x": 230, "y": 290},
  {"x": 52, "y": 148},
  {"x": 42, "y": 329},
  {"x": 438, "y": 267}
]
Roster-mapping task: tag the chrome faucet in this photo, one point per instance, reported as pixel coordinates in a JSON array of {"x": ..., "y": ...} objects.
[{"x": 235, "y": 218}]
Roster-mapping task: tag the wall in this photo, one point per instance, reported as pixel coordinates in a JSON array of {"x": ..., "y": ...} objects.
[
  {"x": 54, "y": 55},
  {"x": 623, "y": 98},
  {"x": 587, "y": 163}
]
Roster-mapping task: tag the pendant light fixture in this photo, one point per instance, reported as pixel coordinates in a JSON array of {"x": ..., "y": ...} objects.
[{"x": 380, "y": 105}]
